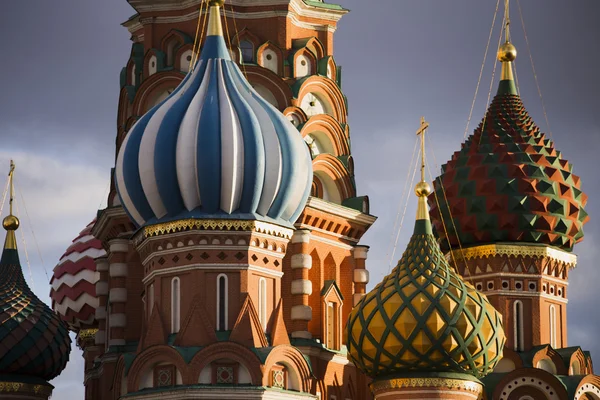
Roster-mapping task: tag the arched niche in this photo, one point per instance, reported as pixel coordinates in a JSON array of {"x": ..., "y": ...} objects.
[
  {"x": 505, "y": 365},
  {"x": 304, "y": 65},
  {"x": 270, "y": 57},
  {"x": 330, "y": 191},
  {"x": 547, "y": 365},
  {"x": 185, "y": 61},
  {"x": 266, "y": 94}
]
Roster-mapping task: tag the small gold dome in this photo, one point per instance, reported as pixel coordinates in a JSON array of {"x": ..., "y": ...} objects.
[
  {"x": 11, "y": 223},
  {"x": 423, "y": 189},
  {"x": 507, "y": 52}
]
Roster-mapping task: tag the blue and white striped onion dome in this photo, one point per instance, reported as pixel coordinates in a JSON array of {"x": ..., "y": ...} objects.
[{"x": 214, "y": 149}]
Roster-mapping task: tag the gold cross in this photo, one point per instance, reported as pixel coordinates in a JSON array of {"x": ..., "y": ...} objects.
[
  {"x": 12, "y": 190},
  {"x": 421, "y": 132},
  {"x": 423, "y": 127}
]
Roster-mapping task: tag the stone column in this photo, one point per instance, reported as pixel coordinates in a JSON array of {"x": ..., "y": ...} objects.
[
  {"x": 117, "y": 295},
  {"x": 102, "y": 294},
  {"x": 361, "y": 275},
  {"x": 301, "y": 285}
]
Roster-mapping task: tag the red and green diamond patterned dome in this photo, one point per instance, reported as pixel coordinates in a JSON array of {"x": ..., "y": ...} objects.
[
  {"x": 34, "y": 342},
  {"x": 508, "y": 183}
]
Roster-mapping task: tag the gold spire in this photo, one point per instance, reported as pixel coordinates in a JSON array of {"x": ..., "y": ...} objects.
[
  {"x": 11, "y": 223},
  {"x": 423, "y": 189},
  {"x": 215, "y": 28},
  {"x": 507, "y": 53}
]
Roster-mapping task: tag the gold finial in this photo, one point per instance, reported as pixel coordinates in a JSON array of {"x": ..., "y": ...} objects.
[
  {"x": 423, "y": 189},
  {"x": 507, "y": 52},
  {"x": 11, "y": 223},
  {"x": 215, "y": 28}
]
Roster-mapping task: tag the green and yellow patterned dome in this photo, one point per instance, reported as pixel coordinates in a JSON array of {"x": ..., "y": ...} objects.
[{"x": 423, "y": 317}]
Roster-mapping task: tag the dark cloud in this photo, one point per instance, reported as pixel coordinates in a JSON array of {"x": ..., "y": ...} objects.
[{"x": 401, "y": 59}]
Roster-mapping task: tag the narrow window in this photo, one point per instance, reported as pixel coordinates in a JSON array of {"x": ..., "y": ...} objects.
[
  {"x": 150, "y": 299},
  {"x": 518, "y": 326},
  {"x": 262, "y": 302},
  {"x": 331, "y": 331},
  {"x": 175, "y": 305},
  {"x": 553, "y": 326},
  {"x": 222, "y": 302},
  {"x": 247, "y": 49}
]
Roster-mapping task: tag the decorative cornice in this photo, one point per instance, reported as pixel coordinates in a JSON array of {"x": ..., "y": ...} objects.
[
  {"x": 447, "y": 383},
  {"x": 20, "y": 387},
  {"x": 86, "y": 334},
  {"x": 217, "y": 224},
  {"x": 298, "y": 6},
  {"x": 341, "y": 211},
  {"x": 514, "y": 250}
]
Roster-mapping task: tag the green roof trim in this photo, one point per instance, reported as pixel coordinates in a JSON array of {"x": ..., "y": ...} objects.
[
  {"x": 321, "y": 4},
  {"x": 360, "y": 203},
  {"x": 507, "y": 87},
  {"x": 331, "y": 283}
]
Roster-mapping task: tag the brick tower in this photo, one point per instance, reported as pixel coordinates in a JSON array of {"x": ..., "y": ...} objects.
[{"x": 232, "y": 295}]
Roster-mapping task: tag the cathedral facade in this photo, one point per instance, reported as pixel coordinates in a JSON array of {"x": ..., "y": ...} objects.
[{"x": 228, "y": 263}]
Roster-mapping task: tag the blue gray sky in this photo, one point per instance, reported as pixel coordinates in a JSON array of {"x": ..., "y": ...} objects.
[{"x": 401, "y": 59}]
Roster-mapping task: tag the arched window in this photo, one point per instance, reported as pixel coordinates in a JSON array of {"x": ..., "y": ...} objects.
[
  {"x": 175, "y": 304},
  {"x": 262, "y": 302},
  {"x": 553, "y": 326},
  {"x": 247, "y": 49},
  {"x": 519, "y": 334},
  {"x": 150, "y": 299},
  {"x": 222, "y": 302}
]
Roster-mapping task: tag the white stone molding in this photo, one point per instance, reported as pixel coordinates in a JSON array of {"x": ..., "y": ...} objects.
[
  {"x": 301, "y": 236},
  {"x": 119, "y": 246},
  {"x": 360, "y": 252},
  {"x": 101, "y": 288},
  {"x": 118, "y": 270},
  {"x": 301, "y": 261},
  {"x": 117, "y": 295},
  {"x": 302, "y": 286},
  {"x": 117, "y": 320},
  {"x": 361, "y": 276},
  {"x": 302, "y": 313}
]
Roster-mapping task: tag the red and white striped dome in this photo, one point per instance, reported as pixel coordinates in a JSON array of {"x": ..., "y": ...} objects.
[{"x": 73, "y": 282}]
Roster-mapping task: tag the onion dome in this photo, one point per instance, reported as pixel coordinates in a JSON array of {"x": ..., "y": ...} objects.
[
  {"x": 73, "y": 282},
  {"x": 423, "y": 318},
  {"x": 508, "y": 183},
  {"x": 214, "y": 149},
  {"x": 33, "y": 340}
]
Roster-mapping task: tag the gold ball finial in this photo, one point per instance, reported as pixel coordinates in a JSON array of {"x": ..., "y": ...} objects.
[
  {"x": 11, "y": 223},
  {"x": 507, "y": 52},
  {"x": 423, "y": 189},
  {"x": 216, "y": 3}
]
